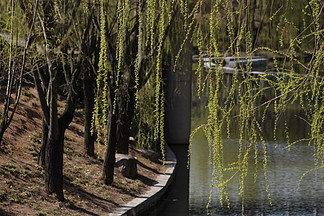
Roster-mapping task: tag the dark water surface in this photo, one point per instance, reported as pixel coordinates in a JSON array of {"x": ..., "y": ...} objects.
[
  {"x": 291, "y": 191},
  {"x": 289, "y": 194},
  {"x": 175, "y": 202},
  {"x": 284, "y": 171}
]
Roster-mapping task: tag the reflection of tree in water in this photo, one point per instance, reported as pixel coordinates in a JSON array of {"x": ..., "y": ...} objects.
[{"x": 283, "y": 104}]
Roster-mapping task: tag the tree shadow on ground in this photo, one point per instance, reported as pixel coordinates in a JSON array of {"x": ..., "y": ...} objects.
[
  {"x": 81, "y": 210},
  {"x": 76, "y": 130},
  {"x": 5, "y": 213},
  {"x": 32, "y": 114},
  {"x": 124, "y": 190},
  {"x": 145, "y": 180},
  {"x": 148, "y": 168},
  {"x": 100, "y": 202}
]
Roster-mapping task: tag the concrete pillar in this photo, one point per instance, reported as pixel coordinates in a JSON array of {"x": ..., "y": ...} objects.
[
  {"x": 178, "y": 107},
  {"x": 177, "y": 71}
]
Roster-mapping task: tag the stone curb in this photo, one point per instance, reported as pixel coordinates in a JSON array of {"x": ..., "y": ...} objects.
[{"x": 151, "y": 197}]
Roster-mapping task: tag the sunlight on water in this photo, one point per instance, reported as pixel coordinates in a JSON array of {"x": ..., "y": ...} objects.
[
  {"x": 285, "y": 168},
  {"x": 284, "y": 172}
]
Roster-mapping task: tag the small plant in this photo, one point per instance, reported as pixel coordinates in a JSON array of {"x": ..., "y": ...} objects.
[
  {"x": 25, "y": 92},
  {"x": 3, "y": 196},
  {"x": 79, "y": 113},
  {"x": 5, "y": 146},
  {"x": 34, "y": 150},
  {"x": 33, "y": 103},
  {"x": 36, "y": 137},
  {"x": 15, "y": 171}
]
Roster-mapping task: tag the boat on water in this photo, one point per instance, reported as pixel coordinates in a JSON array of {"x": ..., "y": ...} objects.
[
  {"x": 214, "y": 62},
  {"x": 232, "y": 63},
  {"x": 244, "y": 61}
]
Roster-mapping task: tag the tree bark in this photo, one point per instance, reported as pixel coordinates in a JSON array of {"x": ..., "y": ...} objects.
[
  {"x": 54, "y": 164},
  {"x": 125, "y": 116},
  {"x": 54, "y": 148},
  {"x": 123, "y": 132},
  {"x": 88, "y": 94},
  {"x": 41, "y": 157},
  {"x": 126, "y": 103},
  {"x": 109, "y": 160},
  {"x": 253, "y": 28}
]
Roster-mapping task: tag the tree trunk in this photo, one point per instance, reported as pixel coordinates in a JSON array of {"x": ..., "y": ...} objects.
[
  {"x": 126, "y": 112},
  {"x": 41, "y": 157},
  {"x": 2, "y": 130},
  {"x": 54, "y": 148},
  {"x": 54, "y": 164},
  {"x": 88, "y": 109},
  {"x": 253, "y": 28},
  {"x": 123, "y": 132},
  {"x": 55, "y": 145},
  {"x": 109, "y": 160}
]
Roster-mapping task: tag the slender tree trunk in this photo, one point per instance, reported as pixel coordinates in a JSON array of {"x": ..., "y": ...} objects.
[
  {"x": 253, "y": 29},
  {"x": 90, "y": 50},
  {"x": 13, "y": 77},
  {"x": 54, "y": 148},
  {"x": 109, "y": 160},
  {"x": 54, "y": 163},
  {"x": 55, "y": 145},
  {"x": 124, "y": 122},
  {"x": 1, "y": 134},
  {"x": 41, "y": 159},
  {"x": 88, "y": 93},
  {"x": 123, "y": 132}
]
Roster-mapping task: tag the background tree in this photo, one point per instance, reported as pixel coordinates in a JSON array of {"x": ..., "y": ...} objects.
[
  {"x": 121, "y": 44},
  {"x": 63, "y": 29},
  {"x": 12, "y": 44},
  {"x": 242, "y": 102},
  {"x": 130, "y": 57}
]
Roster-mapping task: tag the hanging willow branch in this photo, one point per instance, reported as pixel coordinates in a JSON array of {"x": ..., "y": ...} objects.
[{"x": 237, "y": 103}]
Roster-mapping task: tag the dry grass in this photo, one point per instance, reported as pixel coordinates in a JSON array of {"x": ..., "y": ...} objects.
[{"x": 22, "y": 179}]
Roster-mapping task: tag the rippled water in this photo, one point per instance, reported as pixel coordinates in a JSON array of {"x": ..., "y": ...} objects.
[
  {"x": 289, "y": 194},
  {"x": 284, "y": 171}
]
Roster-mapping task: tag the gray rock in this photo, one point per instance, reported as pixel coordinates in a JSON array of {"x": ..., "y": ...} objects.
[
  {"x": 151, "y": 155},
  {"x": 128, "y": 164}
]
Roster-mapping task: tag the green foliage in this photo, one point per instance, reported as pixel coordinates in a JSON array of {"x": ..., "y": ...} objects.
[
  {"x": 242, "y": 103},
  {"x": 144, "y": 118},
  {"x": 132, "y": 44},
  {"x": 123, "y": 59},
  {"x": 101, "y": 111}
]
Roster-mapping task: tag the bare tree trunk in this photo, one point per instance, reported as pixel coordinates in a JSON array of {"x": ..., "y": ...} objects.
[
  {"x": 88, "y": 93},
  {"x": 1, "y": 133},
  {"x": 54, "y": 164},
  {"x": 41, "y": 159},
  {"x": 126, "y": 103},
  {"x": 253, "y": 28},
  {"x": 90, "y": 49},
  {"x": 14, "y": 76},
  {"x": 109, "y": 160},
  {"x": 125, "y": 114},
  {"x": 54, "y": 147},
  {"x": 51, "y": 155},
  {"x": 110, "y": 155},
  {"x": 123, "y": 132},
  {"x": 125, "y": 117}
]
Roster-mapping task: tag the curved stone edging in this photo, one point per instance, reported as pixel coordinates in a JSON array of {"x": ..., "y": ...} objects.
[{"x": 151, "y": 197}]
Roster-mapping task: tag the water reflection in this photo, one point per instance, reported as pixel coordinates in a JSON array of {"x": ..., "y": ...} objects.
[{"x": 289, "y": 195}]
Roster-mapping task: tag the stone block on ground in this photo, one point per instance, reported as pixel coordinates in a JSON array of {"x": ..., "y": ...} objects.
[
  {"x": 151, "y": 155},
  {"x": 128, "y": 164}
]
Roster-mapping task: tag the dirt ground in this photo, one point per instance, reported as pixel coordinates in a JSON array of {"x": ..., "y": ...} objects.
[{"x": 22, "y": 189}]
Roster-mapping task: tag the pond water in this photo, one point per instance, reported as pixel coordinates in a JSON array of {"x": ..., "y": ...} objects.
[{"x": 289, "y": 194}]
